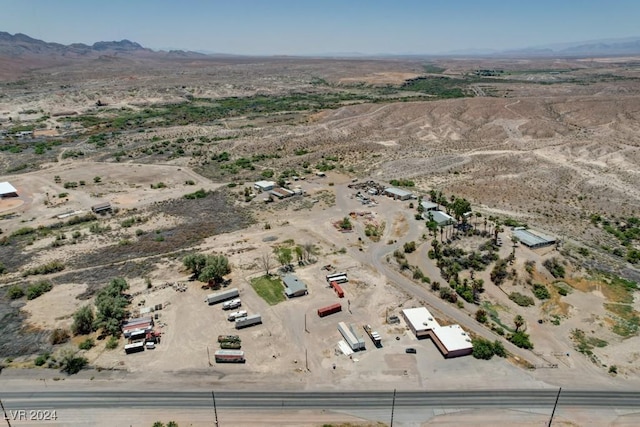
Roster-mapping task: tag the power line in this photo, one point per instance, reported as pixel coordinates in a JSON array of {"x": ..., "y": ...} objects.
[
  {"x": 6, "y": 417},
  {"x": 215, "y": 409}
]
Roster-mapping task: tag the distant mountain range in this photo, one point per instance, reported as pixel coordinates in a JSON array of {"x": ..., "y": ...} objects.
[{"x": 23, "y": 47}]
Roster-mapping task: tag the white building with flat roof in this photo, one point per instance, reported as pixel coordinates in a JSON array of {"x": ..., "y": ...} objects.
[
  {"x": 264, "y": 185},
  {"x": 452, "y": 341},
  {"x": 420, "y": 321},
  {"x": 7, "y": 190}
]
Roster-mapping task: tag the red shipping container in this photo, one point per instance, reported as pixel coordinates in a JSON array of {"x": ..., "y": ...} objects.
[
  {"x": 336, "y": 287},
  {"x": 330, "y": 309}
]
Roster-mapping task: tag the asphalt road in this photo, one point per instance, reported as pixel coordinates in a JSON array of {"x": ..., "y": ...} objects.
[{"x": 540, "y": 398}]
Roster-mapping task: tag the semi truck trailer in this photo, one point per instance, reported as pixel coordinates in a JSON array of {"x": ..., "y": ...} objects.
[
  {"x": 222, "y": 296},
  {"x": 243, "y": 322},
  {"x": 229, "y": 356}
]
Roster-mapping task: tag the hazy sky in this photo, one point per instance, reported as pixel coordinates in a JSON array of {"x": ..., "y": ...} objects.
[{"x": 323, "y": 26}]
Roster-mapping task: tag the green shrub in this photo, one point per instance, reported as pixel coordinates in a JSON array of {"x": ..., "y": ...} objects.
[
  {"x": 72, "y": 364},
  {"x": 59, "y": 336},
  {"x": 200, "y": 194},
  {"x": 112, "y": 343},
  {"x": 521, "y": 300},
  {"x": 541, "y": 291},
  {"x": 86, "y": 344},
  {"x": 41, "y": 359},
  {"x": 409, "y": 247},
  {"x": 35, "y": 290},
  {"x": 555, "y": 267},
  {"x": 521, "y": 340},
  {"x": 482, "y": 349},
  {"x": 499, "y": 349},
  {"x": 15, "y": 292},
  {"x": 50, "y": 267}
]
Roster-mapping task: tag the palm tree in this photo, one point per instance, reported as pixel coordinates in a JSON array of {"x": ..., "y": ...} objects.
[
  {"x": 519, "y": 322},
  {"x": 497, "y": 229},
  {"x": 436, "y": 248},
  {"x": 514, "y": 240},
  {"x": 478, "y": 216}
]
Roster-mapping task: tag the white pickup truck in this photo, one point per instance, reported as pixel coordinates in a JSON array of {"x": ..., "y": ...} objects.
[
  {"x": 231, "y": 304},
  {"x": 237, "y": 315}
]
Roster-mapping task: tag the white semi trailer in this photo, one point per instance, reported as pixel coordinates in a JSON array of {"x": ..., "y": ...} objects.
[
  {"x": 243, "y": 322},
  {"x": 222, "y": 296}
]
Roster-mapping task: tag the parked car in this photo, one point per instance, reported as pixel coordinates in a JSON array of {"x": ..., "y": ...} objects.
[{"x": 411, "y": 350}]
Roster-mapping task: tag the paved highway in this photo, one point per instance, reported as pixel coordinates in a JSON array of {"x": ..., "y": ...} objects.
[{"x": 541, "y": 398}]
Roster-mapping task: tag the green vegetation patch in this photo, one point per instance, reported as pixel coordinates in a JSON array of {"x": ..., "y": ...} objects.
[
  {"x": 269, "y": 288},
  {"x": 627, "y": 319},
  {"x": 617, "y": 289},
  {"x": 521, "y": 300},
  {"x": 441, "y": 87}
]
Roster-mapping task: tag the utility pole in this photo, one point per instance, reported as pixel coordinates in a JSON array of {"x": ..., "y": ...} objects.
[
  {"x": 6, "y": 417},
  {"x": 554, "y": 407},
  {"x": 208, "y": 356},
  {"x": 305, "y": 323},
  {"x": 306, "y": 359},
  {"x": 215, "y": 410},
  {"x": 393, "y": 406}
]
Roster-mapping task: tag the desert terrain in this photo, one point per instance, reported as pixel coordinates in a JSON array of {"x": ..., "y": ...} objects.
[{"x": 551, "y": 144}]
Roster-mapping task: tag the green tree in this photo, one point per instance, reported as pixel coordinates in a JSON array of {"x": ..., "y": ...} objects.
[
  {"x": 195, "y": 263},
  {"x": 459, "y": 207},
  {"x": 409, "y": 247},
  {"x": 309, "y": 250},
  {"x": 481, "y": 316},
  {"x": 521, "y": 340},
  {"x": 216, "y": 267},
  {"x": 110, "y": 305},
  {"x": 498, "y": 349},
  {"x": 482, "y": 349},
  {"x": 345, "y": 224},
  {"x": 83, "y": 321},
  {"x": 299, "y": 253},
  {"x": 71, "y": 363},
  {"x": 284, "y": 255},
  {"x": 518, "y": 321}
]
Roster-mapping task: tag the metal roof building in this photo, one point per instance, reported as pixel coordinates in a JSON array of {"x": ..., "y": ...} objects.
[
  {"x": 441, "y": 218},
  {"x": 532, "y": 239},
  {"x": 420, "y": 321},
  {"x": 264, "y": 185},
  {"x": 429, "y": 206},
  {"x": 8, "y": 190},
  {"x": 293, "y": 286},
  {"x": 452, "y": 341},
  {"x": 398, "y": 193}
]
